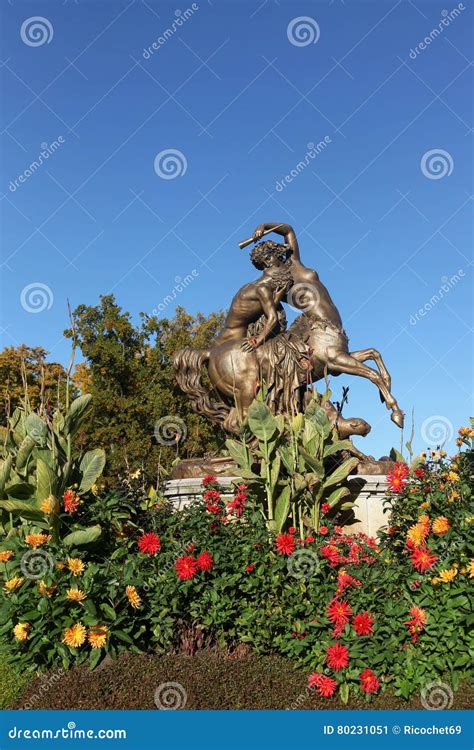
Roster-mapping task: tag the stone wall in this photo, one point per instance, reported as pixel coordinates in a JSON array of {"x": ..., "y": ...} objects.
[{"x": 370, "y": 491}]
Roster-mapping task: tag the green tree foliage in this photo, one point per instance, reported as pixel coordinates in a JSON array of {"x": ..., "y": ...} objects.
[
  {"x": 129, "y": 372},
  {"x": 24, "y": 373}
]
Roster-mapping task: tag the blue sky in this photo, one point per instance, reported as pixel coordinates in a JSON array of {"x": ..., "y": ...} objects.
[{"x": 240, "y": 89}]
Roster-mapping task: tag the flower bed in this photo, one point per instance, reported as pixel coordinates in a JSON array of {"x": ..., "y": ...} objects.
[{"x": 359, "y": 615}]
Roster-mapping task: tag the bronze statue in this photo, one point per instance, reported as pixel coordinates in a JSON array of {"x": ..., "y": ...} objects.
[{"x": 255, "y": 346}]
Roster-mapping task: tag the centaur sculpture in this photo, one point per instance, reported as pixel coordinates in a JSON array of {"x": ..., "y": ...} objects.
[{"x": 255, "y": 347}]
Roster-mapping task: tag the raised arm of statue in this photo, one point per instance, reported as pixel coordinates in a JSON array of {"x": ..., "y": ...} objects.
[{"x": 285, "y": 230}]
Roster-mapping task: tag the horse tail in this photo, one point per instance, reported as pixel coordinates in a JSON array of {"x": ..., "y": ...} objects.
[{"x": 188, "y": 364}]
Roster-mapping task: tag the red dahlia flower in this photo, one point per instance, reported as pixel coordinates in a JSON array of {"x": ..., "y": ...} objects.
[
  {"x": 368, "y": 681},
  {"x": 417, "y": 622},
  {"x": 249, "y": 568},
  {"x": 397, "y": 476},
  {"x": 205, "y": 561},
  {"x": 363, "y": 623},
  {"x": 292, "y": 530},
  {"x": 337, "y": 657},
  {"x": 149, "y": 543},
  {"x": 422, "y": 559},
  {"x": 331, "y": 553},
  {"x": 237, "y": 505},
  {"x": 285, "y": 544},
  {"x": 419, "y": 473},
  {"x": 324, "y": 685},
  {"x": 325, "y": 507},
  {"x": 186, "y": 567},
  {"x": 209, "y": 479},
  {"x": 344, "y": 580},
  {"x": 71, "y": 501},
  {"x": 339, "y": 612},
  {"x": 323, "y": 530}
]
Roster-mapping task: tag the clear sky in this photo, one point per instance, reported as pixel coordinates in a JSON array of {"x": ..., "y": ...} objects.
[{"x": 239, "y": 89}]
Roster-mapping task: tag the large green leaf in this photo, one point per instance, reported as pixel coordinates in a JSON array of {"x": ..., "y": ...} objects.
[
  {"x": 282, "y": 508},
  {"x": 91, "y": 467},
  {"x": 316, "y": 413},
  {"x": 45, "y": 480},
  {"x": 339, "y": 445},
  {"x": 36, "y": 428},
  {"x": 239, "y": 452},
  {"x": 76, "y": 413},
  {"x": 18, "y": 506},
  {"x": 261, "y": 421},
  {"x": 24, "y": 452},
  {"x": 5, "y": 469},
  {"x": 342, "y": 471},
  {"x": 19, "y": 491},
  {"x": 82, "y": 536},
  {"x": 312, "y": 462},
  {"x": 337, "y": 495}
]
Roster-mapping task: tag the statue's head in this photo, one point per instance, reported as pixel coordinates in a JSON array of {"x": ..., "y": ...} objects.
[{"x": 268, "y": 253}]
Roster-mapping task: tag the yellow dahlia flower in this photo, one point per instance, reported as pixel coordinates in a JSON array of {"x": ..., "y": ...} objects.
[
  {"x": 75, "y": 565},
  {"x": 76, "y": 595},
  {"x": 441, "y": 525},
  {"x": 45, "y": 590},
  {"x": 75, "y": 635},
  {"x": 13, "y": 583},
  {"x": 97, "y": 636},
  {"x": 20, "y": 631},
  {"x": 133, "y": 597},
  {"x": 446, "y": 576},
  {"x": 36, "y": 540},
  {"x": 6, "y": 554}
]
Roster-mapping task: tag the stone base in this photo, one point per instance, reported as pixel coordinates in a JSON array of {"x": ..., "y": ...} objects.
[{"x": 369, "y": 489}]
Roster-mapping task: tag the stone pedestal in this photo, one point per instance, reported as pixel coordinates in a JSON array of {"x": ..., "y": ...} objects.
[{"x": 369, "y": 489}]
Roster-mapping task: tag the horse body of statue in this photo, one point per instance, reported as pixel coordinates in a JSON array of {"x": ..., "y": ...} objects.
[{"x": 255, "y": 346}]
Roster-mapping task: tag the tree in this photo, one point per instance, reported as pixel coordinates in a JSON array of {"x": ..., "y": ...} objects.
[
  {"x": 128, "y": 370},
  {"x": 25, "y": 374}
]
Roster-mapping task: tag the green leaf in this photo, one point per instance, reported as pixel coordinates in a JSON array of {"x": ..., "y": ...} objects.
[
  {"x": 76, "y": 413},
  {"x": 312, "y": 462},
  {"x": 282, "y": 508},
  {"x": 82, "y": 536},
  {"x": 286, "y": 458},
  {"x": 108, "y": 611},
  {"x": 45, "y": 480},
  {"x": 239, "y": 452},
  {"x": 24, "y": 452},
  {"x": 396, "y": 455},
  {"x": 337, "y": 495},
  {"x": 20, "y": 491},
  {"x": 91, "y": 467},
  {"x": 5, "y": 472},
  {"x": 36, "y": 428},
  {"x": 344, "y": 692},
  {"x": 341, "y": 472},
  {"x": 261, "y": 421},
  {"x": 94, "y": 657},
  {"x": 339, "y": 445},
  {"x": 123, "y": 636}
]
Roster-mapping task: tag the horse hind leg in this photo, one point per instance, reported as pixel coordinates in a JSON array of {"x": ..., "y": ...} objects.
[
  {"x": 373, "y": 354},
  {"x": 346, "y": 363}
]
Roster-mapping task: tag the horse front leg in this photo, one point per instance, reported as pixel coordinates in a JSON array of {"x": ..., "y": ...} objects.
[{"x": 343, "y": 362}]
